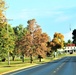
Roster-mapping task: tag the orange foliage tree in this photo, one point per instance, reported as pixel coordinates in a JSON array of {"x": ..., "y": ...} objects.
[
  {"x": 58, "y": 41},
  {"x": 2, "y": 9},
  {"x": 34, "y": 42}
]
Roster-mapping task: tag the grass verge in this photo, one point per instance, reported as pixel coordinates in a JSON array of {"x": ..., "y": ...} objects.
[{"x": 18, "y": 64}]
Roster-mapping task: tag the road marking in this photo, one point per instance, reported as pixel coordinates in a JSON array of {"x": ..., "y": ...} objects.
[
  {"x": 60, "y": 66},
  {"x": 57, "y": 68},
  {"x": 54, "y": 72}
]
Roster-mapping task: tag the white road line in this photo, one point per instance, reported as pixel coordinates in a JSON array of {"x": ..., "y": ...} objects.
[
  {"x": 54, "y": 71},
  {"x": 58, "y": 67}
]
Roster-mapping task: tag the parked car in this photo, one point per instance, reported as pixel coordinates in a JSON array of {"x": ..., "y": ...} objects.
[{"x": 71, "y": 52}]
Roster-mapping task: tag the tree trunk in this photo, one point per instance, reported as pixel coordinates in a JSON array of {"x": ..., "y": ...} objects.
[
  {"x": 8, "y": 58},
  {"x": 31, "y": 59},
  {"x": 39, "y": 59},
  {"x": 13, "y": 58},
  {"x": 55, "y": 54},
  {"x": 22, "y": 57}
]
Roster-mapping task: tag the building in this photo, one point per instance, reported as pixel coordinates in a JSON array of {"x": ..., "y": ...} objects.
[{"x": 70, "y": 48}]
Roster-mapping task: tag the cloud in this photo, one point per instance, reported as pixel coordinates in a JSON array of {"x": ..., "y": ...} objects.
[
  {"x": 33, "y": 13},
  {"x": 62, "y": 18}
]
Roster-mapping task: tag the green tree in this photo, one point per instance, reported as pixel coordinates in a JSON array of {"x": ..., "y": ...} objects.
[
  {"x": 6, "y": 34},
  {"x": 6, "y": 40},
  {"x": 69, "y": 41},
  {"x": 74, "y": 36},
  {"x": 20, "y": 32}
]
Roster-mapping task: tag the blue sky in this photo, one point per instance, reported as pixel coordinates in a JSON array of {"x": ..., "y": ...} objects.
[{"x": 52, "y": 15}]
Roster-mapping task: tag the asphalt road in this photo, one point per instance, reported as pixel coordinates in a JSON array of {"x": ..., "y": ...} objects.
[{"x": 64, "y": 66}]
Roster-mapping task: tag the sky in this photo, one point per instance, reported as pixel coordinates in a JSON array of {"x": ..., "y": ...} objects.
[{"x": 52, "y": 15}]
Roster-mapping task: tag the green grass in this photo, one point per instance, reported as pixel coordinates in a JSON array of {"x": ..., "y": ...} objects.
[{"x": 18, "y": 64}]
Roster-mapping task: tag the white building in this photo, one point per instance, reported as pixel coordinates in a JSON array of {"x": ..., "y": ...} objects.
[{"x": 70, "y": 47}]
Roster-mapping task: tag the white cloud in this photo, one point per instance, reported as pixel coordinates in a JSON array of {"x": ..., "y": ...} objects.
[
  {"x": 33, "y": 13},
  {"x": 62, "y": 18}
]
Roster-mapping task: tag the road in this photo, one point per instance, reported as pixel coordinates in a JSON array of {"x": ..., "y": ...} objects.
[{"x": 63, "y": 66}]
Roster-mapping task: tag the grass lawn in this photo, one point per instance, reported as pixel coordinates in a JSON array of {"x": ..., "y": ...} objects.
[
  {"x": 14, "y": 65},
  {"x": 18, "y": 64}
]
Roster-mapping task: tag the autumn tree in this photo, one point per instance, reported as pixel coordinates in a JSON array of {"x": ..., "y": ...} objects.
[
  {"x": 57, "y": 42},
  {"x": 34, "y": 42},
  {"x": 49, "y": 46},
  {"x": 39, "y": 39},
  {"x": 42, "y": 48},
  {"x": 26, "y": 44},
  {"x": 2, "y": 9}
]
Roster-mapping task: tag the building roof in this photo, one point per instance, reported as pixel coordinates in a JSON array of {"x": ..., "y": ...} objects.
[{"x": 70, "y": 44}]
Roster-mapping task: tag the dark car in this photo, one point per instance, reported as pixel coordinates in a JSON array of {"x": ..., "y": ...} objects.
[{"x": 71, "y": 52}]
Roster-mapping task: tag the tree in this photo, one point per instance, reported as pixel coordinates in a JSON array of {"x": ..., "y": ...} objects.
[
  {"x": 6, "y": 34},
  {"x": 25, "y": 47},
  {"x": 49, "y": 48},
  {"x": 39, "y": 39},
  {"x": 69, "y": 41},
  {"x": 34, "y": 42},
  {"x": 57, "y": 42},
  {"x": 26, "y": 44},
  {"x": 41, "y": 45},
  {"x": 20, "y": 31},
  {"x": 74, "y": 36},
  {"x": 2, "y": 9},
  {"x": 6, "y": 40},
  {"x": 2, "y": 29}
]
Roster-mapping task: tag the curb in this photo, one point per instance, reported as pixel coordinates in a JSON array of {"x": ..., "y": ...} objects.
[{"x": 18, "y": 69}]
